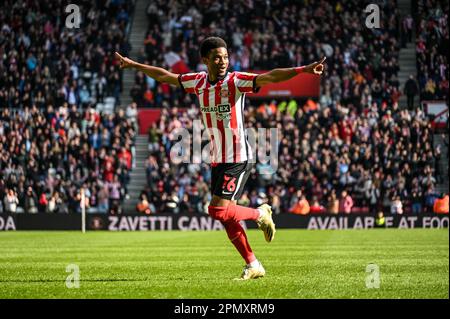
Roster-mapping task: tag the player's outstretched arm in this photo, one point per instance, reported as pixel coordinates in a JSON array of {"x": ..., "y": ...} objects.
[
  {"x": 280, "y": 75},
  {"x": 159, "y": 74}
]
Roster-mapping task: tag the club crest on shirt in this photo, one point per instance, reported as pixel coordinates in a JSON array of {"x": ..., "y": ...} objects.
[{"x": 224, "y": 93}]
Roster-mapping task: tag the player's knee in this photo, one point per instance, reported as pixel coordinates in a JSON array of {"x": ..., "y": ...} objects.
[{"x": 218, "y": 212}]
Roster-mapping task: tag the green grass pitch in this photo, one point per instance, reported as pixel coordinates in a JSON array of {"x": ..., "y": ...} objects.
[{"x": 299, "y": 264}]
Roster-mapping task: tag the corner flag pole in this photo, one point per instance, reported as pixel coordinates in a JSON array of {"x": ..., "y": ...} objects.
[{"x": 83, "y": 211}]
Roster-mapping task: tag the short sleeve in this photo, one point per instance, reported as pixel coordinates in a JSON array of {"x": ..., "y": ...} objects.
[
  {"x": 188, "y": 81},
  {"x": 246, "y": 82}
]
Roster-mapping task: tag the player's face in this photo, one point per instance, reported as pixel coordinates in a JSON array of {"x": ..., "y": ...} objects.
[{"x": 217, "y": 61}]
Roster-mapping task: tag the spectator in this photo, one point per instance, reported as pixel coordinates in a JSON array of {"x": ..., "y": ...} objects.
[
  {"x": 333, "y": 203},
  {"x": 416, "y": 201},
  {"x": 437, "y": 164},
  {"x": 103, "y": 198},
  {"x": 396, "y": 206},
  {"x": 43, "y": 202},
  {"x": 114, "y": 188},
  {"x": 170, "y": 203},
  {"x": 143, "y": 206},
  {"x": 185, "y": 205},
  {"x": 31, "y": 202},
  {"x": 411, "y": 91},
  {"x": 10, "y": 202},
  {"x": 380, "y": 221},
  {"x": 276, "y": 204},
  {"x": 373, "y": 195},
  {"x": 301, "y": 207},
  {"x": 408, "y": 27},
  {"x": 430, "y": 198},
  {"x": 316, "y": 207},
  {"x": 441, "y": 204},
  {"x": 55, "y": 203},
  {"x": 345, "y": 203},
  {"x": 132, "y": 115}
]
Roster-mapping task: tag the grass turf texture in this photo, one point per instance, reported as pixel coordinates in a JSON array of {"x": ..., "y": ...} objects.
[{"x": 299, "y": 264}]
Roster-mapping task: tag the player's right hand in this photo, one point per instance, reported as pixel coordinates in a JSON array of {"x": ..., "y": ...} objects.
[{"x": 124, "y": 61}]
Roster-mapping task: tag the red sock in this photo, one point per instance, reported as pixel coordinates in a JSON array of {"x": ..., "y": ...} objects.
[
  {"x": 233, "y": 212},
  {"x": 238, "y": 213},
  {"x": 238, "y": 237}
]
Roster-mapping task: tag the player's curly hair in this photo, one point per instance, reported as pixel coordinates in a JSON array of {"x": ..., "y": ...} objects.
[{"x": 211, "y": 43}]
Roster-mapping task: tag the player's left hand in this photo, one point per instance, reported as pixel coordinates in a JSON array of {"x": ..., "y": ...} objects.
[
  {"x": 316, "y": 67},
  {"x": 124, "y": 61}
]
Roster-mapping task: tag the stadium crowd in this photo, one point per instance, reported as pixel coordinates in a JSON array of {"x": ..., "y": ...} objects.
[
  {"x": 432, "y": 49},
  {"x": 354, "y": 150},
  {"x": 48, "y": 156},
  {"x": 330, "y": 159},
  {"x": 44, "y": 62},
  {"x": 53, "y": 140},
  {"x": 358, "y": 150},
  {"x": 267, "y": 34}
]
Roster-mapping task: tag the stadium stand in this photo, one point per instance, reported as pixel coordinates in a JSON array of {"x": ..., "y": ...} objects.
[
  {"x": 47, "y": 157},
  {"x": 376, "y": 155},
  {"x": 59, "y": 88},
  {"x": 359, "y": 59},
  {"x": 359, "y": 139},
  {"x": 354, "y": 149},
  {"x": 432, "y": 49},
  {"x": 44, "y": 62}
]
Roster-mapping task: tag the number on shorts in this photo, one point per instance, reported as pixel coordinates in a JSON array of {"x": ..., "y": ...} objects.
[{"x": 229, "y": 183}]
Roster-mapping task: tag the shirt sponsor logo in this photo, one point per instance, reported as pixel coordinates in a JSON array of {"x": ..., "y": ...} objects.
[
  {"x": 224, "y": 116},
  {"x": 221, "y": 109}
]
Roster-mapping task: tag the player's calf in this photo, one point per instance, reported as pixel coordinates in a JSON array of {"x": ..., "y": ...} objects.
[{"x": 233, "y": 212}]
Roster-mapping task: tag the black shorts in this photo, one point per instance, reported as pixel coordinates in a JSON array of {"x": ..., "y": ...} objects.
[{"x": 228, "y": 179}]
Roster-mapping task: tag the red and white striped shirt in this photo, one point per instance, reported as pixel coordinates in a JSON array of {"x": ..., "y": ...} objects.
[{"x": 222, "y": 107}]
